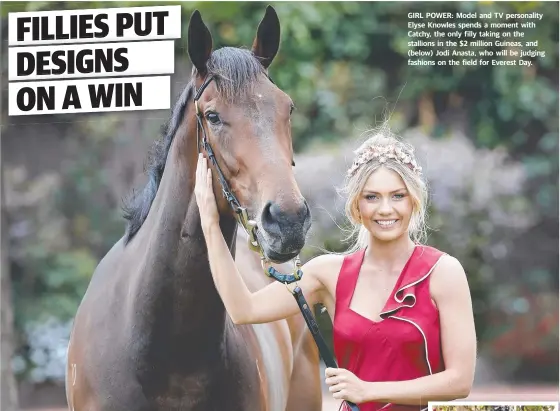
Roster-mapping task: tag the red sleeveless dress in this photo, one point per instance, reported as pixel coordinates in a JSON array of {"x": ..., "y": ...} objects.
[{"x": 403, "y": 346}]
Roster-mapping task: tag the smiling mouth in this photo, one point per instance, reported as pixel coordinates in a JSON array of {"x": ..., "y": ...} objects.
[{"x": 386, "y": 223}]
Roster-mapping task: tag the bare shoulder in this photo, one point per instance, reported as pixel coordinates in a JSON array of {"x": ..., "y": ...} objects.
[
  {"x": 324, "y": 264},
  {"x": 325, "y": 268},
  {"x": 448, "y": 277}
]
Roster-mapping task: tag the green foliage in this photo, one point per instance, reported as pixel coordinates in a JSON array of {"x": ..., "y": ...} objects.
[
  {"x": 58, "y": 289},
  {"x": 74, "y": 227}
]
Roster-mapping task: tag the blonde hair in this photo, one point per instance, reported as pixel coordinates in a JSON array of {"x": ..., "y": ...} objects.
[{"x": 383, "y": 148}]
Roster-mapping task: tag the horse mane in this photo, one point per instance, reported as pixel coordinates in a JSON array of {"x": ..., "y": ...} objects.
[{"x": 234, "y": 70}]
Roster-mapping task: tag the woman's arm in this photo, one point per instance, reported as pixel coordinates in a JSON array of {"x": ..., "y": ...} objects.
[
  {"x": 450, "y": 291},
  {"x": 273, "y": 302}
]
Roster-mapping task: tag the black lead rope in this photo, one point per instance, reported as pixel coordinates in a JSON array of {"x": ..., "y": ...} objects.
[
  {"x": 283, "y": 278},
  {"x": 317, "y": 336}
]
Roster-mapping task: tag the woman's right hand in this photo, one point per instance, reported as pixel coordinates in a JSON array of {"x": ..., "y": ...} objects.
[{"x": 204, "y": 193}]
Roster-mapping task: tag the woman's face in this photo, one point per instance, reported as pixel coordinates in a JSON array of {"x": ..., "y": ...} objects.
[{"x": 385, "y": 205}]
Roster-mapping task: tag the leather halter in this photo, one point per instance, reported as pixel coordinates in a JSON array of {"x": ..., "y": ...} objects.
[
  {"x": 232, "y": 200},
  {"x": 250, "y": 227},
  {"x": 241, "y": 215}
]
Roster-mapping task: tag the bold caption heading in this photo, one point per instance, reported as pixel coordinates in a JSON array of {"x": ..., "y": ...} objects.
[
  {"x": 122, "y": 42},
  {"x": 94, "y": 25}
]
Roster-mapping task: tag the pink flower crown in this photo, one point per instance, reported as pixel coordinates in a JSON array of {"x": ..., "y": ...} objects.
[{"x": 382, "y": 153}]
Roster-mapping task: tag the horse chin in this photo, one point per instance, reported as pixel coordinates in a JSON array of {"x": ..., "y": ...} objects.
[
  {"x": 274, "y": 255},
  {"x": 279, "y": 258}
]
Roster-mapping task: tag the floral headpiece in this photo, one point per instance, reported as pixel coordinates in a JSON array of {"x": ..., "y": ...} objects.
[{"x": 382, "y": 153}]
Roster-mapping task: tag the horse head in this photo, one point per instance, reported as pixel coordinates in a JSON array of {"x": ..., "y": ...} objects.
[{"x": 243, "y": 122}]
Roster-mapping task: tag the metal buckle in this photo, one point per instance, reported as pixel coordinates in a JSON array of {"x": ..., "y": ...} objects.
[
  {"x": 292, "y": 290},
  {"x": 252, "y": 240},
  {"x": 250, "y": 227}
]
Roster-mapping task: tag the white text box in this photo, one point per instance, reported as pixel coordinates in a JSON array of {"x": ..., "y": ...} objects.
[
  {"x": 115, "y": 94},
  {"x": 124, "y": 59},
  {"x": 94, "y": 25}
]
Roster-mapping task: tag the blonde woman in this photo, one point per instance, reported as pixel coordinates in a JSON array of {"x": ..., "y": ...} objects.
[{"x": 403, "y": 325}]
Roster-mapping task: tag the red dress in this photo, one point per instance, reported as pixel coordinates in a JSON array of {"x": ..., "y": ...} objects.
[{"x": 403, "y": 346}]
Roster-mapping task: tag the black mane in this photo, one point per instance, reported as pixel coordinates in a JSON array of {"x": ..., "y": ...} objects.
[{"x": 234, "y": 70}]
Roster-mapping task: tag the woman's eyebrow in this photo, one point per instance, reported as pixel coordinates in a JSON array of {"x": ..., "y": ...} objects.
[{"x": 392, "y": 192}]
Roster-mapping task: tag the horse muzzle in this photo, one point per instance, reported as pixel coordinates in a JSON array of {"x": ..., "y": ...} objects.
[{"x": 282, "y": 233}]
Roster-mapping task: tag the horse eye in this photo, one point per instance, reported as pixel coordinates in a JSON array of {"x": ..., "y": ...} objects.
[
  {"x": 292, "y": 108},
  {"x": 213, "y": 118},
  {"x": 293, "y": 163}
]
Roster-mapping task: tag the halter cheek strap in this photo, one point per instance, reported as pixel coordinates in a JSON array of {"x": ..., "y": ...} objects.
[{"x": 204, "y": 145}]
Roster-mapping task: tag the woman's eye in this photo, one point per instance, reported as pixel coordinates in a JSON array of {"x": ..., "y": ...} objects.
[
  {"x": 399, "y": 196},
  {"x": 213, "y": 118},
  {"x": 370, "y": 197}
]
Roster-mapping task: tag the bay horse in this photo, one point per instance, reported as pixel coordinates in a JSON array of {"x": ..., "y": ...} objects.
[{"x": 151, "y": 332}]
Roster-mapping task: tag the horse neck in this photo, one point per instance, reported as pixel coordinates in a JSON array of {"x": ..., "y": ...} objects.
[{"x": 177, "y": 279}]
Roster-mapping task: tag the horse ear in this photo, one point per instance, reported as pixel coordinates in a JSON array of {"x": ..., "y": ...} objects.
[
  {"x": 199, "y": 42},
  {"x": 267, "y": 40}
]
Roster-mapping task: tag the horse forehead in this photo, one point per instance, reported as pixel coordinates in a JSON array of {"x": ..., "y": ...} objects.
[
  {"x": 264, "y": 91},
  {"x": 262, "y": 103},
  {"x": 261, "y": 97}
]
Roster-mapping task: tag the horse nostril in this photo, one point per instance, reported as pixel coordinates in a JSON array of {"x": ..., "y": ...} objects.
[
  {"x": 277, "y": 222},
  {"x": 285, "y": 231},
  {"x": 270, "y": 218},
  {"x": 307, "y": 212}
]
